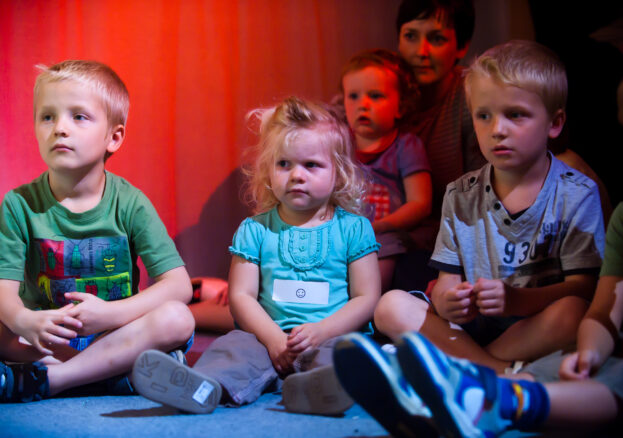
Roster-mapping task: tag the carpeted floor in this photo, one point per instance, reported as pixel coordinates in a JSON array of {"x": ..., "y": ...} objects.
[
  {"x": 136, "y": 416},
  {"x": 108, "y": 416}
]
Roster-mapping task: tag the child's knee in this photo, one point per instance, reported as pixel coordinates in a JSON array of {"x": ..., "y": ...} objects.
[
  {"x": 174, "y": 322},
  {"x": 399, "y": 311}
]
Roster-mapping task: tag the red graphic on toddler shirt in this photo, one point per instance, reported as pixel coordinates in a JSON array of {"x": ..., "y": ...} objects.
[{"x": 378, "y": 197}]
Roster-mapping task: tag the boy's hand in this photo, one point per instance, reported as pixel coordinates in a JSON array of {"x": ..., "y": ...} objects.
[
  {"x": 93, "y": 312},
  {"x": 305, "y": 336},
  {"x": 279, "y": 354},
  {"x": 456, "y": 304},
  {"x": 579, "y": 365},
  {"x": 490, "y": 296},
  {"x": 43, "y": 328}
]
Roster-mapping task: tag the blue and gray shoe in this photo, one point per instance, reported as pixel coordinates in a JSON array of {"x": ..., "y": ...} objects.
[
  {"x": 373, "y": 379},
  {"x": 462, "y": 396},
  {"x": 23, "y": 382}
]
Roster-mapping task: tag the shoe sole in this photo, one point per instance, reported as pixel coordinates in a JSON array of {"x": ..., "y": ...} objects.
[
  {"x": 357, "y": 365},
  {"x": 421, "y": 367},
  {"x": 159, "y": 377},
  {"x": 317, "y": 391}
]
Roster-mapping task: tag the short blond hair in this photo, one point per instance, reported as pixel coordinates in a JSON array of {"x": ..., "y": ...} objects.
[
  {"x": 280, "y": 126},
  {"x": 97, "y": 76},
  {"x": 527, "y": 65}
]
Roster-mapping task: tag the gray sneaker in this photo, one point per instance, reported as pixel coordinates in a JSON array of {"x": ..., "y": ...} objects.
[
  {"x": 315, "y": 392},
  {"x": 161, "y": 378}
]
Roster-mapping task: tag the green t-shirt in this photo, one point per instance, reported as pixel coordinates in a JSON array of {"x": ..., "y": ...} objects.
[
  {"x": 52, "y": 250},
  {"x": 613, "y": 254}
]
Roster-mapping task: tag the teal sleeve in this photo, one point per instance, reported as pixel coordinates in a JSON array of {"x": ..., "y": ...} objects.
[
  {"x": 247, "y": 240},
  {"x": 361, "y": 239}
]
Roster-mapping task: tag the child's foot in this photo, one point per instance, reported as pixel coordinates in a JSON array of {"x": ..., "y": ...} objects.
[
  {"x": 159, "y": 377},
  {"x": 372, "y": 377},
  {"x": 121, "y": 384},
  {"x": 23, "y": 382},
  {"x": 315, "y": 392},
  {"x": 459, "y": 393}
]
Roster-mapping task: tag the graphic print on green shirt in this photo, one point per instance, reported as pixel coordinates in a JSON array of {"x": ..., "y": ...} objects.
[{"x": 96, "y": 265}]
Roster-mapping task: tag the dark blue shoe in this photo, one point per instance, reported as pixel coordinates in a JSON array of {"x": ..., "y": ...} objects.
[
  {"x": 461, "y": 395},
  {"x": 23, "y": 382},
  {"x": 374, "y": 380}
]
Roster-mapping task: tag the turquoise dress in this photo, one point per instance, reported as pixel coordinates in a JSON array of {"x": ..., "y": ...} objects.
[{"x": 318, "y": 254}]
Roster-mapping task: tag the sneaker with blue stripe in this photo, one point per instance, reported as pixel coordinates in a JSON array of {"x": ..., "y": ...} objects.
[
  {"x": 373, "y": 379},
  {"x": 461, "y": 395}
]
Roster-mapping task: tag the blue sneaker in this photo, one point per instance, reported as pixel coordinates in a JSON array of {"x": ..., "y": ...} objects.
[
  {"x": 461, "y": 395},
  {"x": 23, "y": 382},
  {"x": 373, "y": 379}
]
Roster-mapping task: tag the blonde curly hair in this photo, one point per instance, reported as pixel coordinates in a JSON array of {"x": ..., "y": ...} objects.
[{"x": 279, "y": 128}]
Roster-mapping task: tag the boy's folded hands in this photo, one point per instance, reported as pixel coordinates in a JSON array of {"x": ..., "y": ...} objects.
[
  {"x": 43, "y": 328},
  {"x": 490, "y": 296},
  {"x": 461, "y": 303},
  {"x": 95, "y": 314},
  {"x": 456, "y": 304}
]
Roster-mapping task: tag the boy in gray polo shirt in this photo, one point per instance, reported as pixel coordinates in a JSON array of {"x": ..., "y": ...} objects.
[{"x": 521, "y": 240}]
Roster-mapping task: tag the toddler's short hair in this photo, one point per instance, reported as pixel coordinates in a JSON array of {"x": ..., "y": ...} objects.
[
  {"x": 393, "y": 62},
  {"x": 100, "y": 77},
  {"x": 455, "y": 14},
  {"x": 280, "y": 126},
  {"x": 527, "y": 65}
]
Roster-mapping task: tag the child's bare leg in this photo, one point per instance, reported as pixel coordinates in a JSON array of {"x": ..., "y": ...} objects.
[
  {"x": 212, "y": 316},
  {"x": 398, "y": 312},
  {"x": 387, "y": 266},
  {"x": 164, "y": 328},
  {"x": 574, "y": 403},
  {"x": 552, "y": 329},
  {"x": 453, "y": 340}
]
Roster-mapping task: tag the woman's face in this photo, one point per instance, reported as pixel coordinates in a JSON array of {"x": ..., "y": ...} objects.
[{"x": 431, "y": 49}]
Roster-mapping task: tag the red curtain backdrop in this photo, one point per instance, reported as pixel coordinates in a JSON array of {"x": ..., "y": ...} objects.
[{"x": 194, "y": 68}]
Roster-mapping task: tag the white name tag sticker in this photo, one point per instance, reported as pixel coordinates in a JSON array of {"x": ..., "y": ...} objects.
[
  {"x": 295, "y": 291},
  {"x": 202, "y": 393}
]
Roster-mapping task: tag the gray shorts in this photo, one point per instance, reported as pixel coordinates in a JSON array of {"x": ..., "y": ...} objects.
[
  {"x": 546, "y": 369},
  {"x": 241, "y": 364},
  {"x": 486, "y": 329}
]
